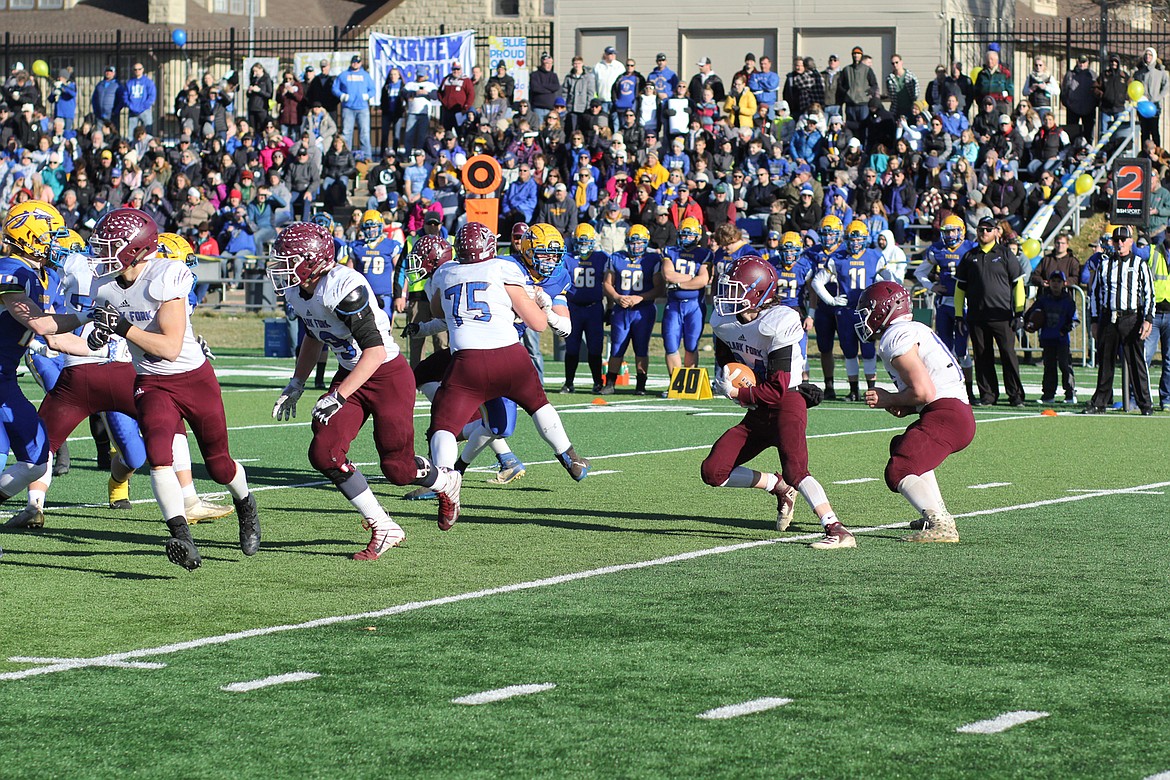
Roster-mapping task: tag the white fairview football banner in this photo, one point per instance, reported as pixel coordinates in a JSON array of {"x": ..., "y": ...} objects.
[{"x": 434, "y": 52}]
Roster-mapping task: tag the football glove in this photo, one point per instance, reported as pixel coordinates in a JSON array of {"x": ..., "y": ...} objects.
[
  {"x": 207, "y": 353},
  {"x": 561, "y": 325},
  {"x": 327, "y": 406},
  {"x": 286, "y": 404},
  {"x": 541, "y": 298},
  {"x": 813, "y": 394},
  {"x": 97, "y": 339},
  {"x": 722, "y": 384},
  {"x": 110, "y": 320},
  {"x": 1017, "y": 322},
  {"x": 841, "y": 300},
  {"x": 410, "y": 331}
]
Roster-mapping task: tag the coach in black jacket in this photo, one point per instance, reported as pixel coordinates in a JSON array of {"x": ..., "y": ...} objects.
[{"x": 990, "y": 280}]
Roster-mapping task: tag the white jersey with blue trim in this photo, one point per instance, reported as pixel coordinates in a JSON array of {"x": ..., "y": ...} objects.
[
  {"x": 774, "y": 329},
  {"x": 944, "y": 369},
  {"x": 162, "y": 280},
  {"x": 476, "y": 303},
  {"x": 319, "y": 313},
  {"x": 78, "y": 288}
]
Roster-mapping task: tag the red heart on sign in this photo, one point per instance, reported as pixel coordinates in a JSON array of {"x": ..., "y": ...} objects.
[{"x": 519, "y": 63}]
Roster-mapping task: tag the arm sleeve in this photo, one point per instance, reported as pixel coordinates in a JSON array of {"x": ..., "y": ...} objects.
[
  {"x": 355, "y": 311},
  {"x": 960, "y": 298},
  {"x": 922, "y": 272},
  {"x": 1019, "y": 295},
  {"x": 818, "y": 284}
]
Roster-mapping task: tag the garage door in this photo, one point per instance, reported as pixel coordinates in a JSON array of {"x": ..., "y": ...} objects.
[
  {"x": 819, "y": 44},
  {"x": 725, "y": 48},
  {"x": 592, "y": 42}
]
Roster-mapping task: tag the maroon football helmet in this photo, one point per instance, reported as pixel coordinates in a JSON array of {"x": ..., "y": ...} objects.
[
  {"x": 749, "y": 284},
  {"x": 428, "y": 253},
  {"x": 121, "y": 239},
  {"x": 518, "y": 231},
  {"x": 303, "y": 251},
  {"x": 880, "y": 305},
  {"x": 475, "y": 243}
]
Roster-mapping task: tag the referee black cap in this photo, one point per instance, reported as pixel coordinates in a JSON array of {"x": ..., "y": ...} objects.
[{"x": 1122, "y": 232}]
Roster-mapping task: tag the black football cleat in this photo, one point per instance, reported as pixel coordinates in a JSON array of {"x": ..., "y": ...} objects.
[
  {"x": 180, "y": 548},
  {"x": 830, "y": 393},
  {"x": 183, "y": 552},
  {"x": 249, "y": 518}
]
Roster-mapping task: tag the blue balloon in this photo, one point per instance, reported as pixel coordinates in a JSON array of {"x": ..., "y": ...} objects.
[
  {"x": 179, "y": 36},
  {"x": 1147, "y": 108}
]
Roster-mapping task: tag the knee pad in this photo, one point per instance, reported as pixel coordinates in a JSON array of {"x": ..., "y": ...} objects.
[
  {"x": 500, "y": 416},
  {"x": 714, "y": 473}
]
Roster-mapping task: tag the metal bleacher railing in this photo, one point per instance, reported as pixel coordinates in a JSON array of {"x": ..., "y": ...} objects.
[{"x": 1044, "y": 229}]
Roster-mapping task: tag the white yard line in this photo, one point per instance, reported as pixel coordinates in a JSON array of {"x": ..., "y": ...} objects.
[
  {"x": 744, "y": 708},
  {"x": 1001, "y": 722},
  {"x": 987, "y": 485},
  {"x": 1159, "y": 776},
  {"x": 560, "y": 579},
  {"x": 276, "y": 679},
  {"x": 857, "y": 481},
  {"x": 499, "y": 694}
]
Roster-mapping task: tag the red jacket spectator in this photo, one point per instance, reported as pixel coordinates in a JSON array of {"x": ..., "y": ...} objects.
[{"x": 691, "y": 209}]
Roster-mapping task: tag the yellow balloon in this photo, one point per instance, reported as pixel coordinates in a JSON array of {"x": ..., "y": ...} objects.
[
  {"x": 1030, "y": 248},
  {"x": 1084, "y": 184},
  {"x": 41, "y": 68},
  {"x": 1136, "y": 90},
  {"x": 974, "y": 76}
]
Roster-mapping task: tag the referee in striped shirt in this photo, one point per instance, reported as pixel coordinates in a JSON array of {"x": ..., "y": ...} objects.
[{"x": 1121, "y": 309}]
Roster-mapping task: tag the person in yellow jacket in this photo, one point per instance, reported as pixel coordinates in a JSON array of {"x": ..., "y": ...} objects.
[
  {"x": 1159, "y": 337},
  {"x": 740, "y": 105},
  {"x": 654, "y": 169}
]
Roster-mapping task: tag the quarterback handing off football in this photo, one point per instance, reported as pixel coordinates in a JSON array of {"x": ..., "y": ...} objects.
[{"x": 739, "y": 375}]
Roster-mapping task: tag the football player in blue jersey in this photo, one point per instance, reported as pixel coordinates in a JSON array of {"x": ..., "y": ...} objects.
[
  {"x": 793, "y": 273},
  {"x": 824, "y": 318},
  {"x": 936, "y": 273},
  {"x": 854, "y": 268},
  {"x": 685, "y": 273},
  {"x": 633, "y": 281},
  {"x": 375, "y": 256},
  {"x": 24, "y": 293},
  {"x": 585, "y": 298},
  {"x": 541, "y": 255}
]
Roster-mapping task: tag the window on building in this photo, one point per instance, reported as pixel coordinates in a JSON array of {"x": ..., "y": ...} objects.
[
  {"x": 21, "y": 5},
  {"x": 506, "y": 7},
  {"x": 50, "y": 5},
  {"x": 550, "y": 7}
]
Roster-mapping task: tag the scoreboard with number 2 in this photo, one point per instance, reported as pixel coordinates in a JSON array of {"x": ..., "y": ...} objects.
[{"x": 1131, "y": 191}]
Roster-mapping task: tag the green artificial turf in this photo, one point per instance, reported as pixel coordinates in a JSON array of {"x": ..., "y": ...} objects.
[{"x": 1048, "y": 604}]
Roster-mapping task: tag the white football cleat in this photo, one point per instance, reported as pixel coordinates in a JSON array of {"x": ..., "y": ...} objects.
[
  {"x": 384, "y": 534},
  {"x": 203, "y": 511},
  {"x": 449, "y": 498}
]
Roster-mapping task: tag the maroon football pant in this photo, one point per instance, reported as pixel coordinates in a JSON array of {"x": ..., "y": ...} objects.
[
  {"x": 945, "y": 426},
  {"x": 163, "y": 402},
  {"x": 478, "y": 375},
  {"x": 782, "y": 427},
  {"x": 388, "y": 397},
  {"x": 84, "y": 390}
]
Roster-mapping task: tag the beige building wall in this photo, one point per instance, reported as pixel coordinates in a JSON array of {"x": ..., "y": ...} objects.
[{"x": 686, "y": 30}]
